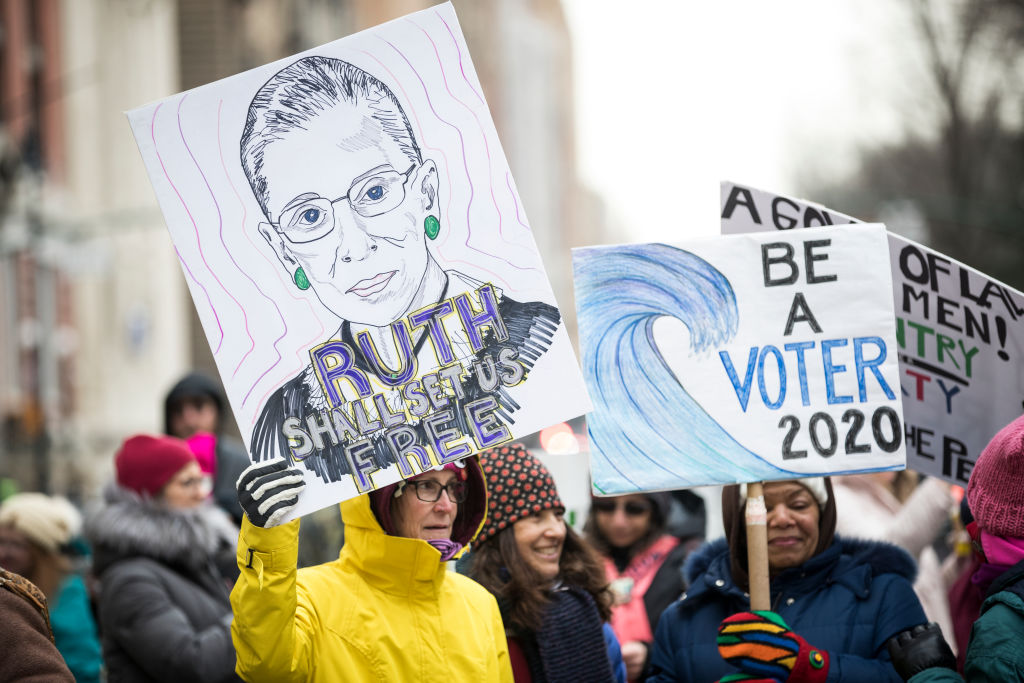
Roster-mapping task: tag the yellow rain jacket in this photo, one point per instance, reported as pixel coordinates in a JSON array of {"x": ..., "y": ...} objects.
[{"x": 386, "y": 610}]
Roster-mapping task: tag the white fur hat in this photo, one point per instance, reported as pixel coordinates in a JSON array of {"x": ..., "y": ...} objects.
[
  {"x": 816, "y": 485},
  {"x": 47, "y": 521}
]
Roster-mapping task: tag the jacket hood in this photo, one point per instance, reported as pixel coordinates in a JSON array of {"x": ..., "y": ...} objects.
[
  {"x": 855, "y": 556},
  {"x": 473, "y": 514},
  {"x": 472, "y": 511},
  {"x": 193, "y": 385},
  {"x": 407, "y": 566},
  {"x": 701, "y": 559},
  {"x": 130, "y": 525}
]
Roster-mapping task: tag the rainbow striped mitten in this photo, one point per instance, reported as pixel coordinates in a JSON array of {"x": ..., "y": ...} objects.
[
  {"x": 760, "y": 643},
  {"x": 745, "y": 678}
]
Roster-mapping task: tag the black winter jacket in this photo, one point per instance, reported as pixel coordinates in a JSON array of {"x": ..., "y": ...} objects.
[{"x": 163, "y": 607}]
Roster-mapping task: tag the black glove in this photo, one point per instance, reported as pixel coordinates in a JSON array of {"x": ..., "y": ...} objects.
[
  {"x": 920, "y": 648},
  {"x": 267, "y": 491}
]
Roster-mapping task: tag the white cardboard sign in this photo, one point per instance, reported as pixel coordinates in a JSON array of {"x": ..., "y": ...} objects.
[
  {"x": 745, "y": 358},
  {"x": 960, "y": 337},
  {"x": 359, "y": 257}
]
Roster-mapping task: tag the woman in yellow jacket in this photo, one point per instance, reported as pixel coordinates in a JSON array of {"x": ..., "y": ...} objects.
[{"x": 387, "y": 609}]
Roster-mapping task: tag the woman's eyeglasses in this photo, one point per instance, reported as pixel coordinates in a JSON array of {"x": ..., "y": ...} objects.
[
  {"x": 314, "y": 217},
  {"x": 429, "y": 491},
  {"x": 631, "y": 507}
]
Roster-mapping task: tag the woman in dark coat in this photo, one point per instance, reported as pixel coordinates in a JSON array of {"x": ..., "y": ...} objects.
[
  {"x": 835, "y": 601},
  {"x": 163, "y": 607}
]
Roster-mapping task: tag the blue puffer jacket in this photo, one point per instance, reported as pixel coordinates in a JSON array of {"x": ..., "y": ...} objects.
[{"x": 848, "y": 600}]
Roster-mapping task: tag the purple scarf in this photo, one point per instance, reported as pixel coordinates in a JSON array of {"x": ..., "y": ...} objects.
[{"x": 446, "y": 547}]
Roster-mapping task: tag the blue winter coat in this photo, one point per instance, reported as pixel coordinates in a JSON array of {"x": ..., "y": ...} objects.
[{"x": 848, "y": 600}]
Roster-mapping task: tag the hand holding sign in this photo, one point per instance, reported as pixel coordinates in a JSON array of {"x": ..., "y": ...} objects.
[{"x": 268, "y": 491}]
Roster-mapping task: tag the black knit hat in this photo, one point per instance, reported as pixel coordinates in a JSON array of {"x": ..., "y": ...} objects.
[{"x": 518, "y": 485}]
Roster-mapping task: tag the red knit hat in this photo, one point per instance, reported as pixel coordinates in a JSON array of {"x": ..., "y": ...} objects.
[
  {"x": 518, "y": 485},
  {"x": 146, "y": 463},
  {"x": 995, "y": 492}
]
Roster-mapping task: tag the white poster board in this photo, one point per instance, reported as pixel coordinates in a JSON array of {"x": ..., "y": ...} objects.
[
  {"x": 746, "y": 358},
  {"x": 359, "y": 257},
  {"x": 960, "y": 336}
]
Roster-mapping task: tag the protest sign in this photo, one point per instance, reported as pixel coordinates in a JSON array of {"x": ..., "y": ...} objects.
[
  {"x": 747, "y": 209},
  {"x": 359, "y": 258},
  {"x": 960, "y": 337},
  {"x": 746, "y": 358}
]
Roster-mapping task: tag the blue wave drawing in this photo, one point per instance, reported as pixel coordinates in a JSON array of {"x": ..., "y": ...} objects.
[{"x": 646, "y": 432}]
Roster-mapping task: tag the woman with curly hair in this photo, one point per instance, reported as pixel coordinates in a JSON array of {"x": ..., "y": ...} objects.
[{"x": 550, "y": 586}]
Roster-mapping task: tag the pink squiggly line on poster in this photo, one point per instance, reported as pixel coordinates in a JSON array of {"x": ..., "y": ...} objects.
[
  {"x": 421, "y": 136},
  {"x": 483, "y": 136},
  {"x": 163, "y": 167},
  {"x": 285, "y": 376},
  {"x": 199, "y": 243},
  {"x": 280, "y": 316},
  {"x": 191, "y": 275},
  {"x": 515, "y": 199},
  {"x": 461, "y": 65},
  {"x": 220, "y": 233},
  {"x": 465, "y": 161},
  {"x": 276, "y": 269}
]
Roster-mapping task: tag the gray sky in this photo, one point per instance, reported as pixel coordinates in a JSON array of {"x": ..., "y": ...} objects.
[{"x": 674, "y": 96}]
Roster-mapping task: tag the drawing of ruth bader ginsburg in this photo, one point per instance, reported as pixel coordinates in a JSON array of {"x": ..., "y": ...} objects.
[{"x": 350, "y": 208}]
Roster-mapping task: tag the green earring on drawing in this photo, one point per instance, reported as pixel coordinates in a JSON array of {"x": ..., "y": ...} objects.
[
  {"x": 431, "y": 226},
  {"x": 301, "y": 281}
]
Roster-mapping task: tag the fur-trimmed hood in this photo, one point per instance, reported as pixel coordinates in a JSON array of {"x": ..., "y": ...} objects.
[
  {"x": 131, "y": 525},
  {"x": 852, "y": 558}
]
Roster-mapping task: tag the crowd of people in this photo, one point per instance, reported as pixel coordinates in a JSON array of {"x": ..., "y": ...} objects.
[{"x": 470, "y": 571}]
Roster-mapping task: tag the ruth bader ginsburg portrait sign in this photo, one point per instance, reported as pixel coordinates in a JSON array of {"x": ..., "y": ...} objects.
[{"x": 359, "y": 257}]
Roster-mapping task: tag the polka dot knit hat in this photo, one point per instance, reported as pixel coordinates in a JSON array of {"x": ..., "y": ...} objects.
[{"x": 517, "y": 486}]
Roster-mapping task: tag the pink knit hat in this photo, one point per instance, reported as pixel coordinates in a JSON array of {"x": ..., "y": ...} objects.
[{"x": 995, "y": 492}]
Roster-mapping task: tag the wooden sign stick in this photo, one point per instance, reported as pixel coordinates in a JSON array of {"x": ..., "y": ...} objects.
[{"x": 757, "y": 548}]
